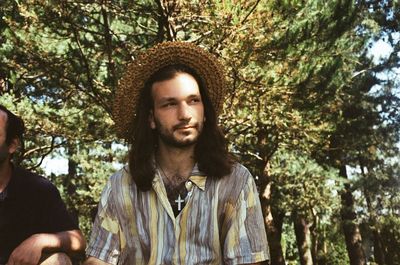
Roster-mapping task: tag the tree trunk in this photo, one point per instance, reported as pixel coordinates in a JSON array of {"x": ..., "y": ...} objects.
[
  {"x": 315, "y": 237},
  {"x": 379, "y": 251},
  {"x": 68, "y": 183},
  {"x": 350, "y": 227},
  {"x": 273, "y": 222},
  {"x": 320, "y": 247},
  {"x": 303, "y": 238},
  {"x": 315, "y": 244}
]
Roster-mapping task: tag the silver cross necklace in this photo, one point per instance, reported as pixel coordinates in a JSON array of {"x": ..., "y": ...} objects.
[{"x": 176, "y": 191}]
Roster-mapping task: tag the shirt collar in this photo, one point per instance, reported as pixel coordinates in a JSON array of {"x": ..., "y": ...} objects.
[
  {"x": 199, "y": 181},
  {"x": 196, "y": 176}
]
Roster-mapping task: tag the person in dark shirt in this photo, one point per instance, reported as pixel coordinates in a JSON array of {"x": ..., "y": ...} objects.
[{"x": 35, "y": 227}]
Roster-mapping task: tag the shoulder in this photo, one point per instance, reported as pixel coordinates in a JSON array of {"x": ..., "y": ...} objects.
[
  {"x": 120, "y": 178},
  {"x": 238, "y": 177},
  {"x": 231, "y": 186},
  {"x": 240, "y": 171},
  {"x": 29, "y": 180},
  {"x": 119, "y": 181},
  {"x": 32, "y": 189},
  {"x": 117, "y": 193}
]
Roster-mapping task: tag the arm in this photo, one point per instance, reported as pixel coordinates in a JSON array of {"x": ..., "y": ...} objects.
[
  {"x": 94, "y": 261},
  {"x": 245, "y": 240},
  {"x": 107, "y": 239},
  {"x": 29, "y": 251}
]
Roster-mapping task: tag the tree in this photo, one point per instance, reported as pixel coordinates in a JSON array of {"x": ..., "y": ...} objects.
[{"x": 301, "y": 94}]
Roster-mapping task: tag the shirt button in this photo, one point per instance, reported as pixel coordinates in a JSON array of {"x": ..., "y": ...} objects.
[{"x": 189, "y": 185}]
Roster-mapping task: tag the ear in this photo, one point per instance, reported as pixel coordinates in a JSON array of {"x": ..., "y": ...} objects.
[
  {"x": 13, "y": 146},
  {"x": 151, "y": 120}
]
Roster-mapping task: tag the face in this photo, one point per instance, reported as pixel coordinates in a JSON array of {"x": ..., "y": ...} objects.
[
  {"x": 5, "y": 149},
  {"x": 178, "y": 113}
]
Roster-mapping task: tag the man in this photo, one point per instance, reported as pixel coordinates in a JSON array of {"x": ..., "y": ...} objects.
[
  {"x": 35, "y": 227},
  {"x": 182, "y": 200}
]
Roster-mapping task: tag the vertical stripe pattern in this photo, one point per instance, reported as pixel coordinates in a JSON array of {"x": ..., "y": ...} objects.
[{"x": 221, "y": 223}]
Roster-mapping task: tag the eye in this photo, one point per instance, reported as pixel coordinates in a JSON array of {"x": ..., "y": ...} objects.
[
  {"x": 195, "y": 100},
  {"x": 168, "y": 104}
]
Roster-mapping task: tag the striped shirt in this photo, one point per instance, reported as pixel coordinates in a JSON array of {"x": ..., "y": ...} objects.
[{"x": 221, "y": 222}]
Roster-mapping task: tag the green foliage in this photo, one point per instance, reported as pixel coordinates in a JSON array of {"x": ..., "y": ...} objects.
[
  {"x": 333, "y": 240},
  {"x": 304, "y": 97},
  {"x": 303, "y": 185},
  {"x": 94, "y": 164},
  {"x": 289, "y": 245},
  {"x": 390, "y": 232},
  {"x": 331, "y": 250}
]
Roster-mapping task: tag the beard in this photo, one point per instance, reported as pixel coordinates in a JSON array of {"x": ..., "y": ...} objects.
[
  {"x": 4, "y": 155},
  {"x": 168, "y": 137}
]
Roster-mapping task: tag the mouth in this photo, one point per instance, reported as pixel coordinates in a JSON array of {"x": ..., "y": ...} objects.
[
  {"x": 185, "y": 128},
  {"x": 182, "y": 127}
]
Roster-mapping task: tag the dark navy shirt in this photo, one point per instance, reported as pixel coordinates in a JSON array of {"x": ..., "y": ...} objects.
[{"x": 32, "y": 205}]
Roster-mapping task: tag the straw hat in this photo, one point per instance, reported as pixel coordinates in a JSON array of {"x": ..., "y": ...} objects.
[{"x": 164, "y": 54}]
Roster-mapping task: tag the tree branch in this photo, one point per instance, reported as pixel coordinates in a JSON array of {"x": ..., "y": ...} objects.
[
  {"x": 251, "y": 11},
  {"x": 108, "y": 42}
]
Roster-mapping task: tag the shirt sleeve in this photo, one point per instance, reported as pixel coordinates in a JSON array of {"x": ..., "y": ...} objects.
[
  {"x": 105, "y": 240},
  {"x": 246, "y": 240}
]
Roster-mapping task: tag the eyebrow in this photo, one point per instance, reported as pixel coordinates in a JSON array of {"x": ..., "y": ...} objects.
[{"x": 173, "y": 98}]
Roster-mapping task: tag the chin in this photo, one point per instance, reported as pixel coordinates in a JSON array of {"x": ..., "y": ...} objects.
[{"x": 186, "y": 142}]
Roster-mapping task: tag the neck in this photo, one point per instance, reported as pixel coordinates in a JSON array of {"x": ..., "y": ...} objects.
[
  {"x": 175, "y": 161},
  {"x": 5, "y": 174}
]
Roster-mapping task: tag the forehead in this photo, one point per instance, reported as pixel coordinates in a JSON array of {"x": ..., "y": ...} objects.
[{"x": 181, "y": 85}]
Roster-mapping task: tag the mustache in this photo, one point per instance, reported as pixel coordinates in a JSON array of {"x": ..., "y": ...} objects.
[{"x": 184, "y": 124}]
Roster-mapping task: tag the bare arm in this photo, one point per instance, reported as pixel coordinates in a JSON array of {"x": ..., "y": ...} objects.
[
  {"x": 29, "y": 251},
  {"x": 94, "y": 261}
]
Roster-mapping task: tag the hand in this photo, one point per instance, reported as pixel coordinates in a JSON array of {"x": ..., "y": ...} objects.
[
  {"x": 95, "y": 261},
  {"x": 28, "y": 252}
]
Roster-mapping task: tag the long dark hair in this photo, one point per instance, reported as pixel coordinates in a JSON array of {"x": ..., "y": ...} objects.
[{"x": 210, "y": 152}]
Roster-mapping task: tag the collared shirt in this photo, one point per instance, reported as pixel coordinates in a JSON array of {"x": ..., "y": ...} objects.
[{"x": 221, "y": 222}]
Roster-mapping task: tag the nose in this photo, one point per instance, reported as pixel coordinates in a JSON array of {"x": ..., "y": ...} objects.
[{"x": 184, "y": 112}]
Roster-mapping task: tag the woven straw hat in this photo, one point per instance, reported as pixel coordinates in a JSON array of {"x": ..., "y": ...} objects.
[{"x": 164, "y": 54}]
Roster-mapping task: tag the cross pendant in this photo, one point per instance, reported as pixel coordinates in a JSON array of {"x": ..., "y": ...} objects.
[{"x": 179, "y": 201}]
